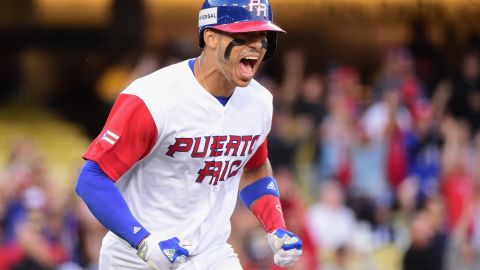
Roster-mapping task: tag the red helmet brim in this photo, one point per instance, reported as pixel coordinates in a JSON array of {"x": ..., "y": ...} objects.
[{"x": 249, "y": 26}]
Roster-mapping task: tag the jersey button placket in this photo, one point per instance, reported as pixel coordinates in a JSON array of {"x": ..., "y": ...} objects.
[
  {"x": 215, "y": 187},
  {"x": 220, "y": 132}
]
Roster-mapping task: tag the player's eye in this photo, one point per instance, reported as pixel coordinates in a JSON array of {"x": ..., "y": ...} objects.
[{"x": 264, "y": 42}]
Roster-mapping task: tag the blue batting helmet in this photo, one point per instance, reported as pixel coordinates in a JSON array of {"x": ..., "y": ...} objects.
[{"x": 239, "y": 16}]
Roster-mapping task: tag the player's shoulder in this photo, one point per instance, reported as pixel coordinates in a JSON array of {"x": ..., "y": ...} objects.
[
  {"x": 159, "y": 82},
  {"x": 160, "y": 89}
]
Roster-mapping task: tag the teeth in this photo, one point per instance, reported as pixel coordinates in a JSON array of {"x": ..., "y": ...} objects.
[{"x": 251, "y": 58}]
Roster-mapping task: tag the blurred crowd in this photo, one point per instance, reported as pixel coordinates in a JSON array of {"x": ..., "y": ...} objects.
[
  {"x": 42, "y": 225},
  {"x": 383, "y": 176},
  {"x": 379, "y": 174}
]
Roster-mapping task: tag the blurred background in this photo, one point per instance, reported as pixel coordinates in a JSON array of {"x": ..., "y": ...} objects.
[{"x": 375, "y": 139}]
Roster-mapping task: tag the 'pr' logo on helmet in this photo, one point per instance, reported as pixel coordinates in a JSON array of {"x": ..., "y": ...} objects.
[{"x": 260, "y": 7}]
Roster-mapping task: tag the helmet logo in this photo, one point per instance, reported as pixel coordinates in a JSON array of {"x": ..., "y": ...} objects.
[{"x": 259, "y": 7}]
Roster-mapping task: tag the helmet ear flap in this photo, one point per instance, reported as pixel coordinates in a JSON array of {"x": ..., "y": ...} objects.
[{"x": 272, "y": 45}]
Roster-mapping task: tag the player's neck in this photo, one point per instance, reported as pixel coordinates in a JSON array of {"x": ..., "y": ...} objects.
[{"x": 211, "y": 79}]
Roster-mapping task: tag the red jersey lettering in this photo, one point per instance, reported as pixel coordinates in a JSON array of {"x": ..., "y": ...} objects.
[
  {"x": 181, "y": 145},
  {"x": 233, "y": 145},
  {"x": 203, "y": 153},
  {"x": 217, "y": 146}
]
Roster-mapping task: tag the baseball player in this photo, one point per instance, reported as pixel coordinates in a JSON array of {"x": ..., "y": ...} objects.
[{"x": 178, "y": 146}]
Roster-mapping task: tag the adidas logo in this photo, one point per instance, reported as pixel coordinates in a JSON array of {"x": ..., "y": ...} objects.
[
  {"x": 271, "y": 186},
  {"x": 136, "y": 230},
  {"x": 169, "y": 253}
]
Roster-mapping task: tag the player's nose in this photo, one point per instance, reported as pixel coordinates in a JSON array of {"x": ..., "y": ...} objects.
[
  {"x": 257, "y": 40},
  {"x": 256, "y": 43}
]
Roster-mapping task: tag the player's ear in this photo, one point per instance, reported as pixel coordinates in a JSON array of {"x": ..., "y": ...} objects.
[{"x": 211, "y": 38}]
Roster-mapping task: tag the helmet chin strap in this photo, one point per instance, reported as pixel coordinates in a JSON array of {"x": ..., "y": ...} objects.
[{"x": 240, "y": 42}]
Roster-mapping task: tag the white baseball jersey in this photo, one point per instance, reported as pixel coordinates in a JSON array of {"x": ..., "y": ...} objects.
[{"x": 177, "y": 154}]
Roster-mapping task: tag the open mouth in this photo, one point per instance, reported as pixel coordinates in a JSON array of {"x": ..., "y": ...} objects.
[{"x": 247, "y": 65}]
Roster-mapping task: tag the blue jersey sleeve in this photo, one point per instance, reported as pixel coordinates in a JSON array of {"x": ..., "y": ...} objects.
[{"x": 107, "y": 204}]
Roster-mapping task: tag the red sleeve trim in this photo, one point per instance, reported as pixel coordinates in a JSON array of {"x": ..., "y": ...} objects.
[
  {"x": 259, "y": 158},
  {"x": 268, "y": 210},
  {"x": 129, "y": 135}
]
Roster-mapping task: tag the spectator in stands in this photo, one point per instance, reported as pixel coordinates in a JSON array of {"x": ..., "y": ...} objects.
[
  {"x": 332, "y": 223},
  {"x": 311, "y": 99},
  {"x": 31, "y": 240},
  {"x": 464, "y": 102},
  {"x": 475, "y": 239},
  {"x": 457, "y": 184},
  {"x": 42, "y": 228},
  {"x": 337, "y": 135},
  {"x": 406, "y": 205},
  {"x": 423, "y": 145},
  {"x": 422, "y": 253},
  {"x": 295, "y": 208},
  {"x": 293, "y": 78}
]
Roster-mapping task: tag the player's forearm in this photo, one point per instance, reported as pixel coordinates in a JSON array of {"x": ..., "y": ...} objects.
[
  {"x": 263, "y": 199},
  {"x": 260, "y": 194},
  {"x": 108, "y": 205}
]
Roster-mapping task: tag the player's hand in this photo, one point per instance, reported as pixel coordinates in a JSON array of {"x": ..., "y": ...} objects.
[
  {"x": 286, "y": 246},
  {"x": 162, "y": 255}
]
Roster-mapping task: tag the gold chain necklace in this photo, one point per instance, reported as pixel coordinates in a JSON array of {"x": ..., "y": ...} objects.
[{"x": 201, "y": 72}]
